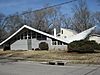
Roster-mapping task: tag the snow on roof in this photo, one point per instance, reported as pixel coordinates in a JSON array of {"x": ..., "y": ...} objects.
[{"x": 30, "y": 28}]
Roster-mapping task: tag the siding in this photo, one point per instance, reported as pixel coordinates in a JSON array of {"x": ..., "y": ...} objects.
[
  {"x": 95, "y": 38},
  {"x": 30, "y": 44},
  {"x": 35, "y": 43},
  {"x": 19, "y": 45}
]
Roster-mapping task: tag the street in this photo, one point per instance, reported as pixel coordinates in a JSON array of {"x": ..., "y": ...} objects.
[{"x": 35, "y": 68}]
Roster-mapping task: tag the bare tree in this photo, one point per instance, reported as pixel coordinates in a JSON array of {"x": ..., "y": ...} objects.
[
  {"x": 66, "y": 21},
  {"x": 82, "y": 18},
  {"x": 12, "y": 23},
  {"x": 44, "y": 20},
  {"x": 2, "y": 31},
  {"x": 97, "y": 16}
]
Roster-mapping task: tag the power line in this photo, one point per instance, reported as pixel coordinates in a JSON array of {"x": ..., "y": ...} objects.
[
  {"x": 51, "y": 6},
  {"x": 48, "y": 7}
]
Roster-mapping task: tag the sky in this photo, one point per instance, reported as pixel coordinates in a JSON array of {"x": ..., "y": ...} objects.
[{"x": 9, "y": 7}]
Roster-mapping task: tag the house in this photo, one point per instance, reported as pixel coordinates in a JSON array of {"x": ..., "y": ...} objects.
[
  {"x": 28, "y": 38},
  {"x": 95, "y": 37}
]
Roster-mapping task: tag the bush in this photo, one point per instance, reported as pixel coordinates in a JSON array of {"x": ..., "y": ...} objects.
[
  {"x": 98, "y": 47},
  {"x": 43, "y": 46},
  {"x": 83, "y": 46},
  {"x": 36, "y": 49}
]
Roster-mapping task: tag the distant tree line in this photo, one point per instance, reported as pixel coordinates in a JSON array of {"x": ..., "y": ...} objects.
[{"x": 45, "y": 20}]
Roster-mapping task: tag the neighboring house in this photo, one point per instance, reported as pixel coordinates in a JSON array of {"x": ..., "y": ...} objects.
[
  {"x": 95, "y": 37},
  {"x": 28, "y": 38},
  {"x": 82, "y": 35},
  {"x": 71, "y": 35}
]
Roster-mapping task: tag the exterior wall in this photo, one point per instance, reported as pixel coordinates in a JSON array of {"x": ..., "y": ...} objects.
[
  {"x": 66, "y": 33},
  {"x": 19, "y": 45},
  {"x": 29, "y": 44},
  {"x": 58, "y": 47},
  {"x": 96, "y": 38},
  {"x": 1, "y": 48},
  {"x": 35, "y": 43}
]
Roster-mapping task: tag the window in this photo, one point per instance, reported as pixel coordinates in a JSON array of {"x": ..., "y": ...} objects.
[
  {"x": 25, "y": 35},
  {"x": 53, "y": 42},
  {"x": 33, "y": 35},
  {"x": 29, "y": 34},
  {"x": 15, "y": 39},
  {"x": 56, "y": 42},
  {"x": 38, "y": 36},
  {"x": 29, "y": 37},
  {"x": 43, "y": 37},
  {"x": 65, "y": 37},
  {"x": 58, "y": 35},
  {"x": 18, "y": 37},
  {"x": 62, "y": 31},
  {"x": 59, "y": 43},
  {"x": 22, "y": 36}
]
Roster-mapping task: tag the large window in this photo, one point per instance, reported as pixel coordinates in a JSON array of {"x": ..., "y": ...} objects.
[
  {"x": 33, "y": 35},
  {"x": 29, "y": 34},
  {"x": 25, "y": 35},
  {"x": 56, "y": 42},
  {"x": 41, "y": 37},
  {"x": 38, "y": 36}
]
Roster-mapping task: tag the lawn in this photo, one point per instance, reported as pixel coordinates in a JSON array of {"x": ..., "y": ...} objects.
[{"x": 71, "y": 58}]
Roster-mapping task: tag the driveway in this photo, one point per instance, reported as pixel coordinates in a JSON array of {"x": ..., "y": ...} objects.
[{"x": 34, "y": 68}]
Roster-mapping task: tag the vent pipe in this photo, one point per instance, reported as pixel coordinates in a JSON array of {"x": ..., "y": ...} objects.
[{"x": 55, "y": 32}]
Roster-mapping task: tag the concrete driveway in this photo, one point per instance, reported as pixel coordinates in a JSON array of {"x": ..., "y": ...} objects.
[{"x": 34, "y": 68}]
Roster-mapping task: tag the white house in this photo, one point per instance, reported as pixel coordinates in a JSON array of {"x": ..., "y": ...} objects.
[
  {"x": 71, "y": 35},
  {"x": 27, "y": 38},
  {"x": 95, "y": 37}
]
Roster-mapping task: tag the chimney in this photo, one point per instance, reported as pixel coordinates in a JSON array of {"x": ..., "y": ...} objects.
[{"x": 54, "y": 32}]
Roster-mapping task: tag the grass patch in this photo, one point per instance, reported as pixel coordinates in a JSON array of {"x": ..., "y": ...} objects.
[{"x": 41, "y": 56}]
